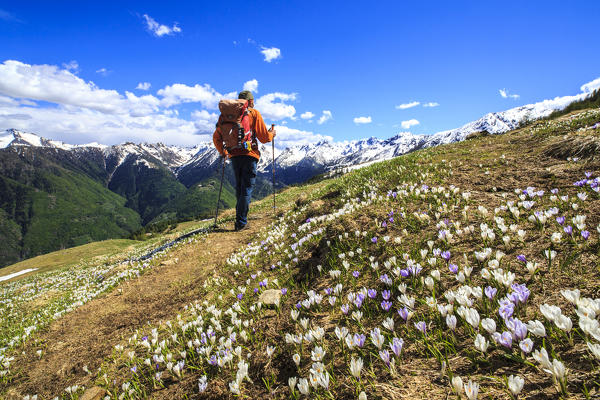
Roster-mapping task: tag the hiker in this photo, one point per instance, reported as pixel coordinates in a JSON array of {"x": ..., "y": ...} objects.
[{"x": 244, "y": 152}]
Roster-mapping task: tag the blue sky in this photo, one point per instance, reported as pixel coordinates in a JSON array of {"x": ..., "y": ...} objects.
[{"x": 66, "y": 67}]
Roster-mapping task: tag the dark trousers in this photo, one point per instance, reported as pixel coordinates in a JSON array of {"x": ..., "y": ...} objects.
[{"x": 244, "y": 168}]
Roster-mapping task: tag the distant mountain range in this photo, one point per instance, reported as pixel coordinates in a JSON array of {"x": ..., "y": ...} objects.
[{"x": 56, "y": 195}]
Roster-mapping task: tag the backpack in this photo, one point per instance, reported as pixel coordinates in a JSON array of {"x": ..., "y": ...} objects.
[{"x": 235, "y": 125}]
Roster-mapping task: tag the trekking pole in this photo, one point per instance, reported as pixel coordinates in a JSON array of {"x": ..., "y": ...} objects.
[
  {"x": 220, "y": 189},
  {"x": 273, "y": 167}
]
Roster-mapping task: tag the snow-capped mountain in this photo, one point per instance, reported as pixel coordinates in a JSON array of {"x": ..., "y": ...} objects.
[{"x": 295, "y": 164}]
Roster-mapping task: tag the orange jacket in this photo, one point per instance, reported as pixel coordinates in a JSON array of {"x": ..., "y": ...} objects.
[{"x": 260, "y": 130}]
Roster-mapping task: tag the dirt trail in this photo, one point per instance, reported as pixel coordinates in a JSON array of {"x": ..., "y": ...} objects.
[{"x": 88, "y": 335}]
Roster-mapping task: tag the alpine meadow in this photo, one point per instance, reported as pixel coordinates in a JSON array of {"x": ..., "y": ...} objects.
[{"x": 420, "y": 221}]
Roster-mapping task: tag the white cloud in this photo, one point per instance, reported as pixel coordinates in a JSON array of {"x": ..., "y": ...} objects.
[
  {"x": 409, "y": 123},
  {"x": 272, "y": 106},
  {"x": 103, "y": 71},
  {"x": 307, "y": 115},
  {"x": 290, "y": 137},
  {"x": 205, "y": 121},
  {"x": 72, "y": 66},
  {"x": 251, "y": 86},
  {"x": 271, "y": 53},
  {"x": 362, "y": 120},
  {"x": 143, "y": 86},
  {"x": 504, "y": 93},
  {"x": 407, "y": 105},
  {"x": 51, "y": 84},
  {"x": 591, "y": 86},
  {"x": 326, "y": 116},
  {"x": 180, "y": 93},
  {"x": 160, "y": 30},
  {"x": 431, "y": 104},
  {"x": 77, "y": 125},
  {"x": 81, "y": 112}
]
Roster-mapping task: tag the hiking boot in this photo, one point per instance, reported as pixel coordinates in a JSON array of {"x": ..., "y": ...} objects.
[{"x": 240, "y": 227}]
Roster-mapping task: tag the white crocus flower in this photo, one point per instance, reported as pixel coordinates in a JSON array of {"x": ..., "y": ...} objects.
[
  {"x": 356, "y": 366},
  {"x": 296, "y": 358},
  {"x": 594, "y": 349},
  {"x": 489, "y": 325},
  {"x": 537, "y": 328},
  {"x": 388, "y": 324},
  {"x": 541, "y": 356},
  {"x": 471, "y": 390},
  {"x": 292, "y": 382},
  {"x": 303, "y": 386},
  {"x": 571, "y": 295},
  {"x": 481, "y": 343},
  {"x": 556, "y": 237},
  {"x": 564, "y": 323},
  {"x": 515, "y": 384},
  {"x": 317, "y": 354},
  {"x": 457, "y": 384}
]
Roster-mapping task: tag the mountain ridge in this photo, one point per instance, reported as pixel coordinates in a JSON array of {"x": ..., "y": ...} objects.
[{"x": 323, "y": 156}]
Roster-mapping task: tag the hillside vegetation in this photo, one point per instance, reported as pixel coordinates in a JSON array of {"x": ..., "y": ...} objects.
[{"x": 466, "y": 270}]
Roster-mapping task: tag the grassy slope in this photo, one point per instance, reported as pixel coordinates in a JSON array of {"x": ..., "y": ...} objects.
[{"x": 489, "y": 168}]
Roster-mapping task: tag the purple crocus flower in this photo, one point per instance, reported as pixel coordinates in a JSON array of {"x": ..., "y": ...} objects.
[
  {"x": 560, "y": 220},
  {"x": 404, "y": 273},
  {"x": 328, "y": 291},
  {"x": 284, "y": 291},
  {"x": 568, "y": 230},
  {"x": 415, "y": 269},
  {"x": 588, "y": 174},
  {"x": 386, "y": 305},
  {"x": 396, "y": 346},
  {"x": 298, "y": 305},
  {"x": 403, "y": 312},
  {"x": 554, "y": 191},
  {"x": 384, "y": 224},
  {"x": 213, "y": 360},
  {"x": 355, "y": 274},
  {"x": 391, "y": 220},
  {"x": 585, "y": 235},
  {"x": 505, "y": 339},
  {"x": 526, "y": 345},
  {"x": 255, "y": 290},
  {"x": 359, "y": 339},
  {"x": 374, "y": 239},
  {"x": 386, "y": 294},
  {"x": 345, "y": 308},
  {"x": 372, "y": 293},
  {"x": 521, "y": 257},
  {"x": 490, "y": 292},
  {"x": 453, "y": 268},
  {"x": 358, "y": 300},
  {"x": 385, "y": 356},
  {"x": 446, "y": 255},
  {"x": 521, "y": 291},
  {"x": 421, "y": 326},
  {"x": 134, "y": 369},
  {"x": 507, "y": 308},
  {"x": 240, "y": 296},
  {"x": 514, "y": 297},
  {"x": 518, "y": 328}
]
